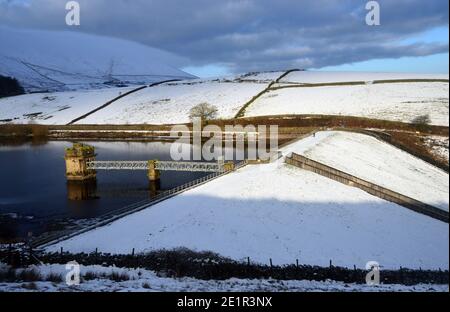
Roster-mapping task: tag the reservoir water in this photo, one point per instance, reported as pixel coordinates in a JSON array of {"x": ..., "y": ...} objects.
[{"x": 36, "y": 198}]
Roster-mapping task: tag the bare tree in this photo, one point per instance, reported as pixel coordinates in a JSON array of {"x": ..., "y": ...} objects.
[
  {"x": 204, "y": 111},
  {"x": 422, "y": 120}
]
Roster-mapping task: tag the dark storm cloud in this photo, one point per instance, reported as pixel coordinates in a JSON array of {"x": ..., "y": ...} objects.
[{"x": 250, "y": 34}]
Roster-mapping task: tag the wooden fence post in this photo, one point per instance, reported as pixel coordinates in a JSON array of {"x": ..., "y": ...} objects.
[
  {"x": 31, "y": 253},
  {"x": 401, "y": 275},
  {"x": 10, "y": 254}
]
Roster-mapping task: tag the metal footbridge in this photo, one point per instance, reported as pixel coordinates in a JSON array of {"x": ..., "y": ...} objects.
[{"x": 218, "y": 166}]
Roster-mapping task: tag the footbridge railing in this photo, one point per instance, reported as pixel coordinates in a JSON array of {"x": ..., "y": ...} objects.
[{"x": 157, "y": 165}]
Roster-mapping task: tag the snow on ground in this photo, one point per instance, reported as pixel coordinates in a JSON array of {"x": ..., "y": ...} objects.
[
  {"x": 280, "y": 212},
  {"x": 148, "y": 281},
  {"x": 398, "y": 102},
  {"x": 380, "y": 163},
  {"x": 55, "y": 108},
  {"x": 63, "y": 60},
  {"x": 326, "y": 77},
  {"x": 438, "y": 145},
  {"x": 170, "y": 103},
  {"x": 166, "y": 104}
]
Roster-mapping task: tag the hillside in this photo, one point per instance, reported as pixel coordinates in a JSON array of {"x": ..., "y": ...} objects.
[
  {"x": 162, "y": 104},
  {"x": 54, "y": 108},
  {"x": 318, "y": 77},
  {"x": 61, "y": 61},
  {"x": 399, "y": 101},
  {"x": 170, "y": 102}
]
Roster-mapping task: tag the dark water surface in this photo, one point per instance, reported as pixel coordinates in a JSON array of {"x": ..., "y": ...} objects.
[{"x": 35, "y": 197}]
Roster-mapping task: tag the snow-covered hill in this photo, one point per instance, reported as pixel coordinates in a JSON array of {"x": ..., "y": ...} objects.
[
  {"x": 372, "y": 160},
  {"x": 170, "y": 103},
  {"x": 314, "y": 77},
  {"x": 55, "y": 108},
  {"x": 284, "y": 213},
  {"x": 390, "y": 101},
  {"x": 163, "y": 104},
  {"x": 59, "y": 61}
]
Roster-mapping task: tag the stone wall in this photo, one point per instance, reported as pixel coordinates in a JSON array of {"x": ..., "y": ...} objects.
[{"x": 371, "y": 188}]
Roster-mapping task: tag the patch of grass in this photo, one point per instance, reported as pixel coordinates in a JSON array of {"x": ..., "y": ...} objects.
[
  {"x": 118, "y": 277},
  {"x": 90, "y": 276},
  {"x": 54, "y": 277},
  {"x": 14, "y": 275},
  {"x": 416, "y": 145},
  {"x": 29, "y": 275}
]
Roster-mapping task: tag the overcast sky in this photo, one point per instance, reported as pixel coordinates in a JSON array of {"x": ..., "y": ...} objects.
[{"x": 222, "y": 36}]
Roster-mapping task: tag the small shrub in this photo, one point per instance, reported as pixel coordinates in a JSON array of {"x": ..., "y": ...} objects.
[
  {"x": 54, "y": 277},
  {"x": 423, "y": 120},
  {"x": 90, "y": 276},
  {"x": 30, "y": 286},
  {"x": 118, "y": 277},
  {"x": 9, "y": 275},
  {"x": 29, "y": 276}
]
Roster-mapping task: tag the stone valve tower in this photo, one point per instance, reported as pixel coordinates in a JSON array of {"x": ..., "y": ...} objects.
[{"x": 77, "y": 158}]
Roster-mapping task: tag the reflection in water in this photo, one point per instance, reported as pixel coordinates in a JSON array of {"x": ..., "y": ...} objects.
[
  {"x": 82, "y": 190},
  {"x": 154, "y": 187},
  {"x": 88, "y": 190}
]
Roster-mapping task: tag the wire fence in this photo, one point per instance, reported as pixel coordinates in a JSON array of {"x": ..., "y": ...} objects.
[{"x": 182, "y": 262}]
